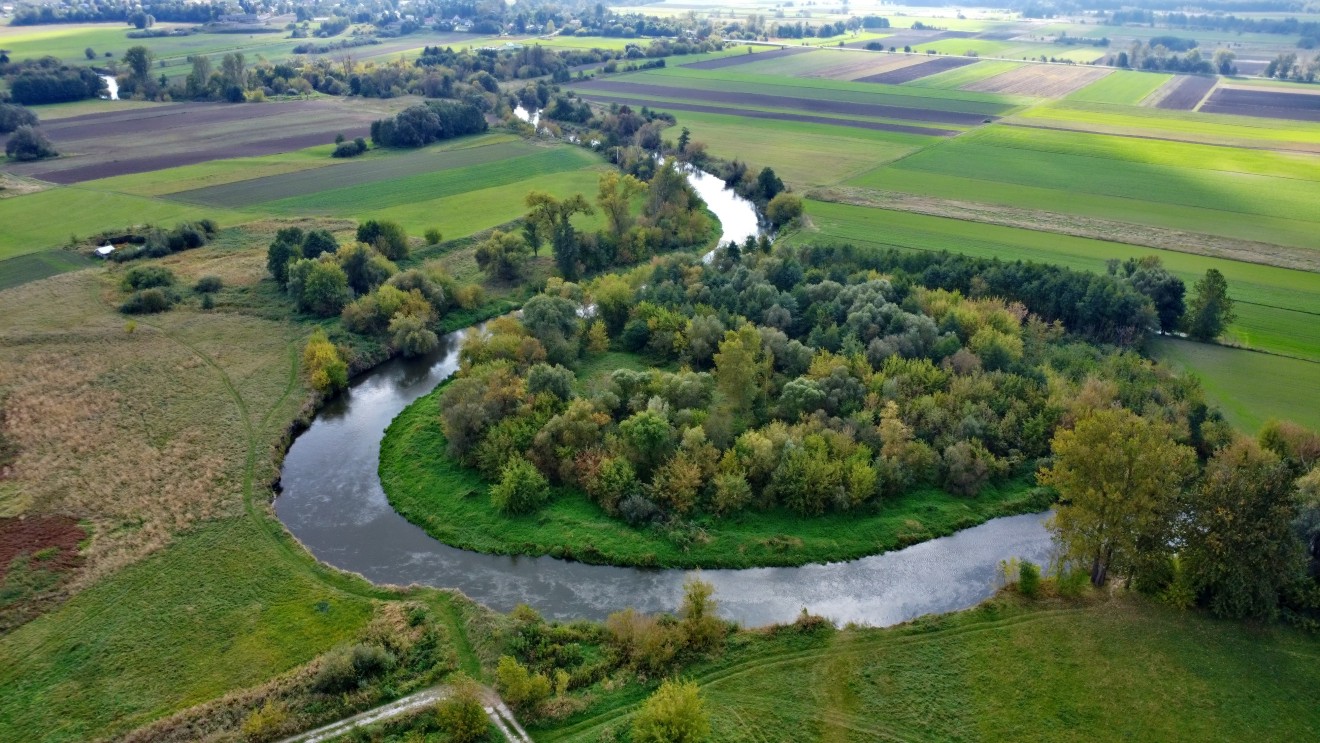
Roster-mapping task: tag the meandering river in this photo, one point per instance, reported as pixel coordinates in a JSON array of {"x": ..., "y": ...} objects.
[{"x": 333, "y": 502}]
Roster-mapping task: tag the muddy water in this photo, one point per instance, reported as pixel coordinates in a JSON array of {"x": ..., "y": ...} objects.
[{"x": 333, "y": 502}]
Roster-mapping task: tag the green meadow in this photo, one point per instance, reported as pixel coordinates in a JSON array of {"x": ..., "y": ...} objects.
[
  {"x": 1249, "y": 387},
  {"x": 1121, "y": 87}
]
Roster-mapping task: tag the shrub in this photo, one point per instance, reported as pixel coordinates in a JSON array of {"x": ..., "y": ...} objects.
[
  {"x": 146, "y": 277},
  {"x": 386, "y": 237},
  {"x": 675, "y": 713},
  {"x": 521, "y": 489},
  {"x": 637, "y": 509},
  {"x": 1072, "y": 582},
  {"x": 28, "y": 143},
  {"x": 351, "y": 668},
  {"x": 521, "y": 688},
  {"x": 783, "y": 208},
  {"x": 326, "y": 370},
  {"x": 350, "y": 149},
  {"x": 433, "y": 236},
  {"x": 318, "y": 286},
  {"x": 410, "y": 336},
  {"x": 209, "y": 285},
  {"x": 13, "y": 115},
  {"x": 1029, "y": 579},
  {"x": 266, "y": 723},
  {"x": 462, "y": 714},
  {"x": 317, "y": 242},
  {"x": 147, "y": 302},
  {"x": 556, "y": 380}
]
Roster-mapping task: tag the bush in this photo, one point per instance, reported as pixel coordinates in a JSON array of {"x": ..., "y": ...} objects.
[
  {"x": 28, "y": 143},
  {"x": 521, "y": 489},
  {"x": 146, "y": 277},
  {"x": 521, "y": 688},
  {"x": 1029, "y": 579},
  {"x": 12, "y": 116},
  {"x": 266, "y": 723},
  {"x": 410, "y": 336},
  {"x": 326, "y": 370},
  {"x": 350, "y": 149},
  {"x": 388, "y": 238},
  {"x": 147, "y": 302},
  {"x": 783, "y": 208},
  {"x": 637, "y": 509},
  {"x": 1072, "y": 582},
  {"x": 675, "y": 713},
  {"x": 351, "y": 668},
  {"x": 462, "y": 714},
  {"x": 555, "y": 380},
  {"x": 209, "y": 285},
  {"x": 433, "y": 236}
]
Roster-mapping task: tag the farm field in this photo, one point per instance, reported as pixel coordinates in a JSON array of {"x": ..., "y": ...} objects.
[
  {"x": 1184, "y": 126},
  {"x": 1041, "y": 81},
  {"x": 1121, "y": 87},
  {"x": 1235, "y": 381},
  {"x": 1275, "y": 310},
  {"x": 995, "y": 673},
  {"x": 961, "y": 77},
  {"x": 1184, "y": 93}
]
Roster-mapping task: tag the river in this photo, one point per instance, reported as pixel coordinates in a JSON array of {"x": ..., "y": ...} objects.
[
  {"x": 111, "y": 86},
  {"x": 332, "y": 501}
]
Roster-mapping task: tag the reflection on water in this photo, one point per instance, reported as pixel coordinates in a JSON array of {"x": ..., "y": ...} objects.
[{"x": 112, "y": 86}]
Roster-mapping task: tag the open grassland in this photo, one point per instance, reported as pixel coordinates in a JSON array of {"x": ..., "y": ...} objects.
[
  {"x": 1250, "y": 388},
  {"x": 33, "y": 266},
  {"x": 1276, "y": 307},
  {"x": 38, "y": 221},
  {"x": 1121, "y": 87},
  {"x": 1183, "y": 126},
  {"x": 1101, "y": 669},
  {"x": 960, "y": 77},
  {"x": 67, "y": 43},
  {"x": 451, "y": 503},
  {"x": 383, "y": 169},
  {"x": 1252, "y": 195}
]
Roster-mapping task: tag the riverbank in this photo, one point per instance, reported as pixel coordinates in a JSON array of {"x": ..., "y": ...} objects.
[{"x": 450, "y": 503}]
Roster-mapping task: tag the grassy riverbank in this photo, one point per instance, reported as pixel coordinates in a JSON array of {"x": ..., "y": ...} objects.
[
  {"x": 450, "y": 502},
  {"x": 1094, "y": 669}
]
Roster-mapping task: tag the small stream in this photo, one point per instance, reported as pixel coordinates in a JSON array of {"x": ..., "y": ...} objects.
[
  {"x": 332, "y": 501},
  {"x": 112, "y": 86}
]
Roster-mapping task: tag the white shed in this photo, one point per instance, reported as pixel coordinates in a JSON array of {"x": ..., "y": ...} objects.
[{"x": 105, "y": 250}]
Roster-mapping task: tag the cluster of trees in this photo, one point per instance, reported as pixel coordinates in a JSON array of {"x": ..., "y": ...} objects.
[
  {"x": 1216, "y": 22},
  {"x": 1290, "y": 66},
  {"x": 672, "y": 217},
  {"x": 14, "y": 115},
  {"x": 428, "y": 122},
  {"x": 1235, "y": 531},
  {"x": 47, "y": 80},
  {"x": 29, "y": 143},
  {"x": 104, "y": 11},
  {"x": 809, "y": 382},
  {"x": 157, "y": 242},
  {"x": 1154, "y": 55}
]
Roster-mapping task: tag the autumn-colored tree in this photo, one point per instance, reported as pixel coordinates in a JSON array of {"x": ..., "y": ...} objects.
[
  {"x": 675, "y": 713},
  {"x": 1119, "y": 478},
  {"x": 615, "y": 199},
  {"x": 742, "y": 369}
]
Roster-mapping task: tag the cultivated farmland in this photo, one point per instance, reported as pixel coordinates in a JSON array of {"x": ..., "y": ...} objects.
[
  {"x": 1041, "y": 81},
  {"x": 1185, "y": 92}
]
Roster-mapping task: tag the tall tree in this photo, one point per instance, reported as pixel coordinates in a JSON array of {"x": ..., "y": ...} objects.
[
  {"x": 742, "y": 369},
  {"x": 1241, "y": 551},
  {"x": 138, "y": 59},
  {"x": 555, "y": 217},
  {"x": 615, "y": 199},
  {"x": 1119, "y": 479},
  {"x": 1211, "y": 309}
]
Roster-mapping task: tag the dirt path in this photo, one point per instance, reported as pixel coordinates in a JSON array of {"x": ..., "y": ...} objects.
[{"x": 494, "y": 706}]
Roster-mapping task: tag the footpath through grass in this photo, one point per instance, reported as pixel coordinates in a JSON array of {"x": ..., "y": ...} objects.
[
  {"x": 451, "y": 503},
  {"x": 1096, "y": 670}
]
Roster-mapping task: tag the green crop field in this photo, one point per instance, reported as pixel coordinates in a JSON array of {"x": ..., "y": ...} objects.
[
  {"x": 802, "y": 153},
  {"x": 68, "y": 42},
  {"x": 1187, "y": 126},
  {"x": 1278, "y": 319},
  {"x": 958, "y": 77},
  {"x": 1249, "y": 387},
  {"x": 1125, "y": 87},
  {"x": 37, "y": 221},
  {"x": 215, "y": 172},
  {"x": 33, "y": 266}
]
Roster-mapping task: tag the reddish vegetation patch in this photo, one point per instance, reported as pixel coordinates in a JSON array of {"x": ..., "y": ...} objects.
[
  {"x": 777, "y": 116},
  {"x": 812, "y": 105},
  {"x": 1264, "y": 103},
  {"x": 38, "y": 554},
  {"x": 1188, "y": 91},
  {"x": 740, "y": 59},
  {"x": 917, "y": 71}
]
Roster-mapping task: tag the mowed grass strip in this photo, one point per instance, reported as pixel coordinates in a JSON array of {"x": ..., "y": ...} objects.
[
  {"x": 378, "y": 166},
  {"x": 435, "y": 184},
  {"x": 1284, "y": 304},
  {"x": 1015, "y": 160},
  {"x": 1235, "y": 378},
  {"x": 37, "y": 221},
  {"x": 1124, "y": 87}
]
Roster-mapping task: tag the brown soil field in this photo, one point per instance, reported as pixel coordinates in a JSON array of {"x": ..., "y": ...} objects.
[
  {"x": 1264, "y": 103},
  {"x": 142, "y": 140},
  {"x": 814, "y": 105},
  {"x": 38, "y": 554},
  {"x": 1185, "y": 91},
  {"x": 751, "y": 114},
  {"x": 1042, "y": 81},
  {"x": 925, "y": 68},
  {"x": 858, "y": 66},
  {"x": 742, "y": 59}
]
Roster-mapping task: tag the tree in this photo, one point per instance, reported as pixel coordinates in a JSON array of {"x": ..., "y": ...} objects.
[
  {"x": 768, "y": 185},
  {"x": 1166, "y": 291},
  {"x": 317, "y": 242},
  {"x": 386, "y": 237},
  {"x": 615, "y": 199},
  {"x": 198, "y": 83},
  {"x": 783, "y": 209},
  {"x": 232, "y": 71},
  {"x": 1241, "y": 552},
  {"x": 520, "y": 687},
  {"x": 1119, "y": 479},
  {"x": 1211, "y": 309},
  {"x": 675, "y": 713},
  {"x": 614, "y": 300},
  {"x": 742, "y": 369},
  {"x": 89, "y": 53},
  {"x": 521, "y": 489},
  {"x": 502, "y": 255},
  {"x": 554, "y": 217},
  {"x": 410, "y": 336},
  {"x": 701, "y": 624},
  {"x": 28, "y": 143},
  {"x": 555, "y": 323},
  {"x": 683, "y": 138},
  {"x": 138, "y": 59},
  {"x": 278, "y": 256},
  {"x": 318, "y": 286},
  {"x": 325, "y": 368},
  {"x": 13, "y": 115},
  {"x": 366, "y": 269},
  {"x": 462, "y": 715}
]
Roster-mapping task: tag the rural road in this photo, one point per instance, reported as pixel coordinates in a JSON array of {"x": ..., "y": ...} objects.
[{"x": 491, "y": 702}]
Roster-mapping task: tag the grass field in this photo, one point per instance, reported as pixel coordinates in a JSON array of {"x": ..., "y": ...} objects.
[
  {"x": 1124, "y": 87},
  {"x": 1250, "y": 388},
  {"x": 1260, "y": 324},
  {"x": 957, "y": 78},
  {"x": 216, "y": 172},
  {"x": 33, "y": 266},
  {"x": 67, "y": 42},
  {"x": 1097, "y": 670},
  {"x": 1186, "y": 126},
  {"x": 450, "y": 503}
]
